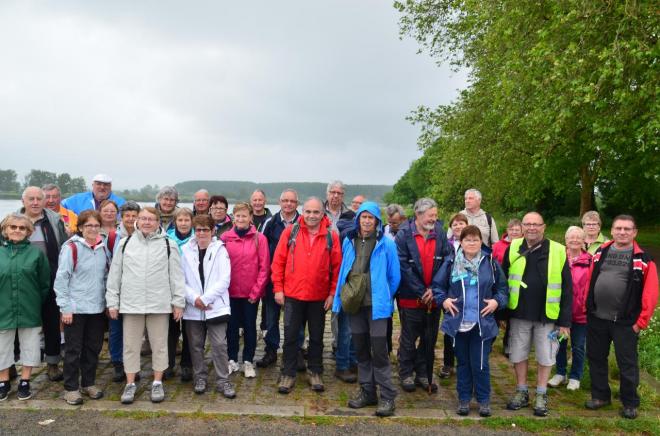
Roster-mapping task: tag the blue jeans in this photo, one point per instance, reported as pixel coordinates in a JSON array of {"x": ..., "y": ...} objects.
[
  {"x": 578, "y": 339},
  {"x": 345, "y": 354},
  {"x": 116, "y": 340},
  {"x": 243, "y": 314},
  {"x": 472, "y": 369}
]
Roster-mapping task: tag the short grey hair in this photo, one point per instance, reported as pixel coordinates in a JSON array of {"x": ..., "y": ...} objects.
[
  {"x": 393, "y": 209},
  {"x": 289, "y": 190},
  {"x": 202, "y": 191},
  {"x": 476, "y": 193},
  {"x": 43, "y": 195},
  {"x": 592, "y": 215},
  {"x": 50, "y": 187},
  {"x": 424, "y": 204},
  {"x": 315, "y": 198},
  {"x": 574, "y": 229},
  {"x": 260, "y": 191},
  {"x": 168, "y": 191},
  {"x": 335, "y": 183}
]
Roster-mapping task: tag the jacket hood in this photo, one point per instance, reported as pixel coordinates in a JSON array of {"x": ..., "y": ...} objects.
[
  {"x": 583, "y": 259},
  {"x": 372, "y": 208},
  {"x": 636, "y": 248},
  {"x": 231, "y": 234}
]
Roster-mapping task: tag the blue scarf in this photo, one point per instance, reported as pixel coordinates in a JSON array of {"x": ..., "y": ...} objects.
[{"x": 464, "y": 268}]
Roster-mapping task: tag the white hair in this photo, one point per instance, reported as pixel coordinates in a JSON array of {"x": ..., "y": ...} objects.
[
  {"x": 424, "y": 204},
  {"x": 473, "y": 191},
  {"x": 335, "y": 183}
]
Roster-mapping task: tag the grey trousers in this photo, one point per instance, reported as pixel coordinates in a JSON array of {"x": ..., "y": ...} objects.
[
  {"x": 370, "y": 342},
  {"x": 196, "y": 332}
]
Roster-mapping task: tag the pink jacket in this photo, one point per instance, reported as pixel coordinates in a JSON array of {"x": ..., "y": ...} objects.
[
  {"x": 580, "y": 274},
  {"x": 250, "y": 263}
]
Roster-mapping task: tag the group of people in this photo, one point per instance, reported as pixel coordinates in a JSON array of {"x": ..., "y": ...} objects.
[{"x": 165, "y": 272}]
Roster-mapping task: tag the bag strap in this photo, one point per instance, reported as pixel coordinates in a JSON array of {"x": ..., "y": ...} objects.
[
  {"x": 74, "y": 254},
  {"x": 112, "y": 238},
  {"x": 489, "y": 219}
]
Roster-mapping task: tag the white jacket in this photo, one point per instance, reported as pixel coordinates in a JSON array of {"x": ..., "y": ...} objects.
[
  {"x": 217, "y": 274},
  {"x": 142, "y": 279}
]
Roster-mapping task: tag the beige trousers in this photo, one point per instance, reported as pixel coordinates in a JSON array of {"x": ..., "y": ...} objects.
[{"x": 157, "y": 326}]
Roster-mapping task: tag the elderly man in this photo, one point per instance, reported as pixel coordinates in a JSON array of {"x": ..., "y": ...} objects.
[
  {"x": 540, "y": 304},
  {"x": 304, "y": 272},
  {"x": 422, "y": 247},
  {"x": 53, "y": 202},
  {"x": 101, "y": 190},
  {"x": 49, "y": 235},
  {"x": 395, "y": 217},
  {"x": 334, "y": 203},
  {"x": 260, "y": 213},
  {"x": 357, "y": 201},
  {"x": 623, "y": 293},
  {"x": 201, "y": 202},
  {"x": 478, "y": 217}
]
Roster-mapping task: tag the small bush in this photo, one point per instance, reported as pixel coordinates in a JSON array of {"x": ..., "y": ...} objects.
[{"x": 649, "y": 347}]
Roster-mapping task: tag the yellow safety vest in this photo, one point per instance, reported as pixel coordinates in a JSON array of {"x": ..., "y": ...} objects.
[{"x": 517, "y": 263}]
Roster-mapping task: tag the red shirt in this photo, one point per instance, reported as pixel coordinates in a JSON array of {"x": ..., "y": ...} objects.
[{"x": 426, "y": 249}]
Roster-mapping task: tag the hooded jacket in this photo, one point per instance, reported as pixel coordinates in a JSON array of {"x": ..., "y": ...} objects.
[
  {"x": 142, "y": 278},
  {"x": 217, "y": 273},
  {"x": 499, "y": 248},
  {"x": 384, "y": 269},
  {"x": 580, "y": 273},
  {"x": 85, "y": 201},
  {"x": 306, "y": 271},
  {"x": 250, "y": 263}
]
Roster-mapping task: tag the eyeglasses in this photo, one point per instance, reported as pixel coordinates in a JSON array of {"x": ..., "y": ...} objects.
[
  {"x": 15, "y": 227},
  {"x": 92, "y": 226},
  {"x": 336, "y": 193},
  {"x": 533, "y": 225},
  {"x": 201, "y": 200},
  {"x": 145, "y": 219},
  {"x": 202, "y": 230},
  {"x": 590, "y": 225},
  {"x": 623, "y": 229}
]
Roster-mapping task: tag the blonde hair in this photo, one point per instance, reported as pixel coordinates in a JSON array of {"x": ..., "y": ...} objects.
[
  {"x": 14, "y": 216},
  {"x": 574, "y": 229},
  {"x": 592, "y": 215},
  {"x": 242, "y": 206}
]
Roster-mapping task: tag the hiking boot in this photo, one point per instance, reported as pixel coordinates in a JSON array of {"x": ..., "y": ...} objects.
[
  {"x": 445, "y": 371},
  {"x": 408, "y": 384},
  {"x": 286, "y": 384},
  {"x": 233, "y": 367},
  {"x": 24, "y": 392},
  {"x": 118, "y": 374},
  {"x": 200, "y": 386},
  {"x": 269, "y": 358},
  {"x": 315, "y": 381},
  {"x": 463, "y": 409},
  {"x": 300, "y": 363},
  {"x": 595, "y": 404},
  {"x": 424, "y": 383},
  {"x": 169, "y": 373},
  {"x": 54, "y": 373},
  {"x": 346, "y": 375},
  {"x": 157, "y": 393},
  {"x": 128, "y": 395},
  {"x": 186, "y": 374},
  {"x": 484, "y": 410},
  {"x": 73, "y": 398},
  {"x": 5, "y": 387},
  {"x": 385, "y": 408},
  {"x": 556, "y": 380},
  {"x": 227, "y": 390},
  {"x": 363, "y": 399},
  {"x": 519, "y": 400},
  {"x": 93, "y": 392},
  {"x": 573, "y": 385},
  {"x": 629, "y": 412},
  {"x": 541, "y": 405},
  {"x": 248, "y": 370}
]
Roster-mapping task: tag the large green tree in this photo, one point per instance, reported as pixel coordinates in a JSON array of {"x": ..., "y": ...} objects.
[
  {"x": 562, "y": 100},
  {"x": 8, "y": 181}
]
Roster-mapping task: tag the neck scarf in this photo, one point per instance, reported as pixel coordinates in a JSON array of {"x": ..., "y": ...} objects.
[{"x": 465, "y": 268}]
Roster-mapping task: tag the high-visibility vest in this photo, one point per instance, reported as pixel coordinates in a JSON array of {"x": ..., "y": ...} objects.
[{"x": 517, "y": 263}]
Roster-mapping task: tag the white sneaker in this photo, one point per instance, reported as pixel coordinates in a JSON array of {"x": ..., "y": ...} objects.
[
  {"x": 233, "y": 367},
  {"x": 573, "y": 385},
  {"x": 248, "y": 370},
  {"x": 556, "y": 380}
]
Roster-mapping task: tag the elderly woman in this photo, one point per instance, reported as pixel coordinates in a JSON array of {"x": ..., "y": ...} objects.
[
  {"x": 513, "y": 231},
  {"x": 218, "y": 209},
  {"x": 128, "y": 212},
  {"x": 471, "y": 286},
  {"x": 370, "y": 258},
  {"x": 166, "y": 201},
  {"x": 593, "y": 237},
  {"x": 580, "y": 262},
  {"x": 146, "y": 286},
  {"x": 24, "y": 287},
  {"x": 109, "y": 212},
  {"x": 250, "y": 260},
  {"x": 207, "y": 272},
  {"x": 80, "y": 289}
]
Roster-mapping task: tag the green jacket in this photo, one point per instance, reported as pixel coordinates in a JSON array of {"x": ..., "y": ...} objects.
[{"x": 24, "y": 285}]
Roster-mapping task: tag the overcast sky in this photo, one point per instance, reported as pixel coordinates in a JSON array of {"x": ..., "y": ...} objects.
[{"x": 166, "y": 91}]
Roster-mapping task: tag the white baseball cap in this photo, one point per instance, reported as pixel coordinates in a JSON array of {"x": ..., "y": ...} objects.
[{"x": 102, "y": 178}]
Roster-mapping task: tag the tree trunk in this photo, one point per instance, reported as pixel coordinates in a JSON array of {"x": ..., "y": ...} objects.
[{"x": 587, "y": 190}]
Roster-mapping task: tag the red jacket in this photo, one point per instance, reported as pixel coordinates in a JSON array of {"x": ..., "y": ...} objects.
[
  {"x": 580, "y": 273},
  {"x": 250, "y": 263},
  {"x": 499, "y": 248},
  {"x": 307, "y": 271}
]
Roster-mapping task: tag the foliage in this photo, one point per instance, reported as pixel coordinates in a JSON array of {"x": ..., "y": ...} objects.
[
  {"x": 562, "y": 101},
  {"x": 649, "y": 347},
  {"x": 66, "y": 183},
  {"x": 8, "y": 181}
]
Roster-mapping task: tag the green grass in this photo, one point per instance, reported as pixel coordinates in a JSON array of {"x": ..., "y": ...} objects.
[{"x": 649, "y": 347}]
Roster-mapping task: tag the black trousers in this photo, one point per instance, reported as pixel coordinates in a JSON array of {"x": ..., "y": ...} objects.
[
  {"x": 50, "y": 319},
  {"x": 84, "y": 340},
  {"x": 175, "y": 329},
  {"x": 448, "y": 357},
  {"x": 600, "y": 334},
  {"x": 296, "y": 314},
  {"x": 413, "y": 327}
]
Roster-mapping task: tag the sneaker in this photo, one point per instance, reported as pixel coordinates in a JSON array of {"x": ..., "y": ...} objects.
[
  {"x": 54, "y": 373},
  {"x": 463, "y": 409},
  {"x": 363, "y": 399},
  {"x": 200, "y": 386},
  {"x": 128, "y": 395},
  {"x": 118, "y": 374},
  {"x": 227, "y": 390},
  {"x": 93, "y": 392},
  {"x": 73, "y": 398},
  {"x": 385, "y": 408},
  {"x": 541, "y": 405},
  {"x": 445, "y": 371},
  {"x": 286, "y": 384},
  {"x": 315, "y": 381},
  {"x": 519, "y": 400},
  {"x": 595, "y": 404},
  {"x": 157, "y": 393},
  {"x": 186, "y": 374},
  {"x": 556, "y": 380},
  {"x": 24, "y": 392},
  {"x": 346, "y": 375},
  {"x": 300, "y": 364},
  {"x": 248, "y": 370},
  {"x": 408, "y": 384},
  {"x": 573, "y": 385},
  {"x": 233, "y": 367},
  {"x": 629, "y": 412},
  {"x": 269, "y": 358},
  {"x": 484, "y": 410},
  {"x": 5, "y": 387}
]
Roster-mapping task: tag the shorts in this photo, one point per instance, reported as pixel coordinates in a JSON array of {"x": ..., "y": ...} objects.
[
  {"x": 29, "y": 339},
  {"x": 521, "y": 335}
]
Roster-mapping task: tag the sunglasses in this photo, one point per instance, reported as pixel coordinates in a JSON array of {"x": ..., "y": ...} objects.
[{"x": 15, "y": 227}]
